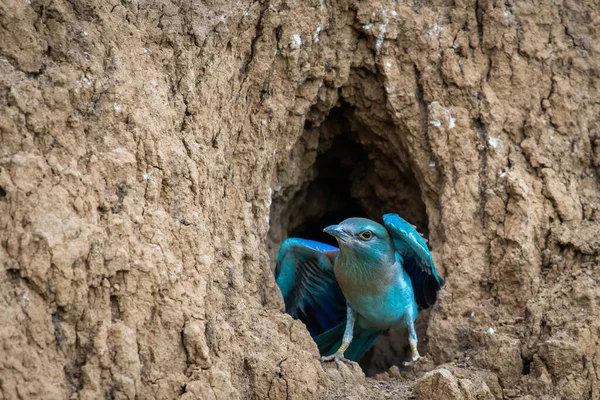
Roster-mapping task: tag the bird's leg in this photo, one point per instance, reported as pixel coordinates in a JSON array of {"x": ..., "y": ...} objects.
[
  {"x": 347, "y": 339},
  {"x": 412, "y": 341}
]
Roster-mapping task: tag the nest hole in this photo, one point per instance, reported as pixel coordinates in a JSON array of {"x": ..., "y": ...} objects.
[{"x": 356, "y": 172}]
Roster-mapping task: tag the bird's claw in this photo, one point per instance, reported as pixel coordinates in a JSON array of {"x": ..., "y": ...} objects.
[
  {"x": 415, "y": 360},
  {"x": 337, "y": 357}
]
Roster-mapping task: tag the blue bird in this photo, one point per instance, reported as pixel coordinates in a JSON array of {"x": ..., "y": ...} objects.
[{"x": 379, "y": 278}]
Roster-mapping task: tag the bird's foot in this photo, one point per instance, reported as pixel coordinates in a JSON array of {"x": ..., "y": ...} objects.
[
  {"x": 415, "y": 360},
  {"x": 337, "y": 357}
]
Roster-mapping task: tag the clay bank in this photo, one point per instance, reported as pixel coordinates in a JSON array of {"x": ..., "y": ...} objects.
[{"x": 155, "y": 154}]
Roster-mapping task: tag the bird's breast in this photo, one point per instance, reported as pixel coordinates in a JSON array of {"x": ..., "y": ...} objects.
[
  {"x": 360, "y": 280},
  {"x": 380, "y": 296}
]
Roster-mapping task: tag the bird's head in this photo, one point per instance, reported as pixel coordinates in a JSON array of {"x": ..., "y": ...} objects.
[{"x": 364, "y": 238}]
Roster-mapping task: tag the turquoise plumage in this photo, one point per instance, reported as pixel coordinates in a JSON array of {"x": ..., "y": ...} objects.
[{"x": 378, "y": 278}]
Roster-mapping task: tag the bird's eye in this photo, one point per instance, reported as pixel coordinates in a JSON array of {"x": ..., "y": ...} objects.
[{"x": 366, "y": 235}]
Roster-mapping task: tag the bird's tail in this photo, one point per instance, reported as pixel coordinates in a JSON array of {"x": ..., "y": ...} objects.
[{"x": 331, "y": 340}]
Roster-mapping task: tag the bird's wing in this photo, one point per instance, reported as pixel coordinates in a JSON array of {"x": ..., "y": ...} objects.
[
  {"x": 418, "y": 263},
  {"x": 304, "y": 274}
]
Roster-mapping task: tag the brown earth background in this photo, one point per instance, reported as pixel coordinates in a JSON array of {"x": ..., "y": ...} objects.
[{"x": 154, "y": 154}]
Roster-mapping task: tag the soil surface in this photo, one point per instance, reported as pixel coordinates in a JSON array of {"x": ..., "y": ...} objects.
[{"x": 154, "y": 154}]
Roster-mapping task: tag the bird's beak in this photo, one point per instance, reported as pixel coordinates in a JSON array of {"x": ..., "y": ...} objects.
[{"x": 337, "y": 232}]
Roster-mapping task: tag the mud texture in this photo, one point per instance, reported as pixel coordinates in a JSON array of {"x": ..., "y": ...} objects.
[{"x": 153, "y": 154}]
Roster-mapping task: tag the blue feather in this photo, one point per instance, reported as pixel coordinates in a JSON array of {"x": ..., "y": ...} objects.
[
  {"x": 418, "y": 263},
  {"x": 328, "y": 342},
  {"x": 304, "y": 274}
]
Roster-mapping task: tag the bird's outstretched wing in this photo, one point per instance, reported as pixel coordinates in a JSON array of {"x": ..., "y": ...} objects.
[
  {"x": 418, "y": 263},
  {"x": 304, "y": 274}
]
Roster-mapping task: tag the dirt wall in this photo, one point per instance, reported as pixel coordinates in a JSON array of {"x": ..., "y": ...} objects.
[{"x": 153, "y": 154}]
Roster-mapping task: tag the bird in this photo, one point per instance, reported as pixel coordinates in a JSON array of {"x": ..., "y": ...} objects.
[{"x": 379, "y": 277}]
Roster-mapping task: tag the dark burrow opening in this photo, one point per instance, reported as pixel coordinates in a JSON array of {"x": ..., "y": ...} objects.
[
  {"x": 354, "y": 174},
  {"x": 327, "y": 199}
]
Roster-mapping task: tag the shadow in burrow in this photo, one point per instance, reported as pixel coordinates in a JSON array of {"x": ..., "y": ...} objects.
[{"x": 352, "y": 176}]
